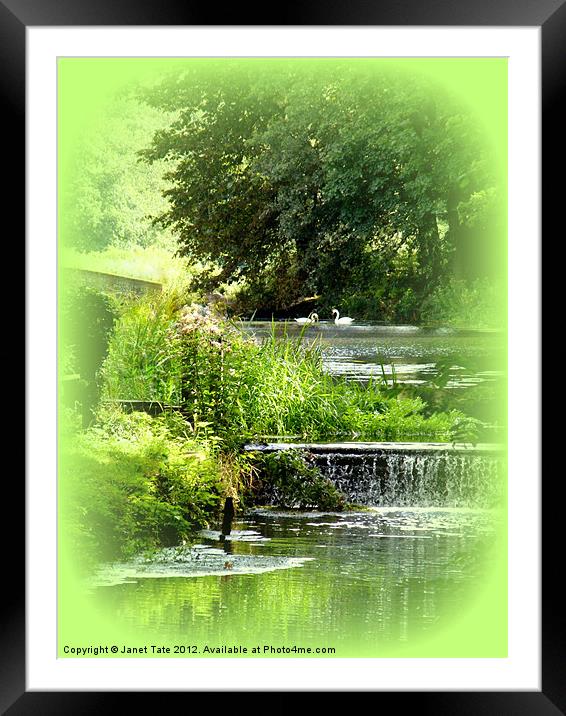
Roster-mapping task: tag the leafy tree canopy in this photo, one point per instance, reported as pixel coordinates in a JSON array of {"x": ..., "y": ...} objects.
[
  {"x": 109, "y": 195},
  {"x": 321, "y": 178}
]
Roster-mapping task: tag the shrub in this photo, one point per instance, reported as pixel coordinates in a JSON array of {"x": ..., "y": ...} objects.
[
  {"x": 87, "y": 321},
  {"x": 466, "y": 305},
  {"x": 213, "y": 366},
  {"x": 130, "y": 483},
  {"x": 286, "y": 478}
]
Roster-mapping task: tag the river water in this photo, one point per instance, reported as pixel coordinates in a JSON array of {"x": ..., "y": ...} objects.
[
  {"x": 449, "y": 368},
  {"x": 394, "y": 580},
  {"x": 374, "y": 583}
]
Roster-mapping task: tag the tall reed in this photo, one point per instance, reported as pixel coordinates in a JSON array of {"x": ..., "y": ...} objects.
[
  {"x": 143, "y": 360},
  {"x": 237, "y": 389}
]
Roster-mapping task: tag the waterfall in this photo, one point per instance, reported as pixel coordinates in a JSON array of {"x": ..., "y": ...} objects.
[{"x": 409, "y": 474}]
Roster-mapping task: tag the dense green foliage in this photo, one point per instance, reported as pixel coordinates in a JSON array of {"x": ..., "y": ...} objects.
[
  {"x": 241, "y": 390},
  {"x": 142, "y": 361},
  {"x": 345, "y": 185},
  {"x": 363, "y": 187},
  {"x": 131, "y": 482},
  {"x": 108, "y": 195},
  {"x": 465, "y": 305},
  {"x": 87, "y": 319},
  {"x": 368, "y": 188},
  {"x": 287, "y": 479}
]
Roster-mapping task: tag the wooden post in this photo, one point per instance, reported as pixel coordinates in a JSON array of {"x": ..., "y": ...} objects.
[{"x": 227, "y": 517}]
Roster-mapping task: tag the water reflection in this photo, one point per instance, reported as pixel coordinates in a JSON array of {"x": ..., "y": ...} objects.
[
  {"x": 450, "y": 369},
  {"x": 376, "y": 578},
  {"x": 358, "y": 351}
]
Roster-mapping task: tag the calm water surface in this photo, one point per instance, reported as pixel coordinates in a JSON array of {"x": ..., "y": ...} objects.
[
  {"x": 449, "y": 368},
  {"x": 372, "y": 581},
  {"x": 367, "y": 583}
]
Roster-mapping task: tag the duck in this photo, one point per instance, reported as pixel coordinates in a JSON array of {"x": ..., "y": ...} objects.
[
  {"x": 312, "y": 318},
  {"x": 344, "y": 321}
]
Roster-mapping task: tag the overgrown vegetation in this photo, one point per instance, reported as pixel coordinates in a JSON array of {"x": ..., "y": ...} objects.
[
  {"x": 143, "y": 355},
  {"x": 363, "y": 184},
  {"x": 109, "y": 196},
  {"x": 287, "y": 479},
  {"x": 133, "y": 482},
  {"x": 242, "y": 390},
  {"x": 87, "y": 319},
  {"x": 456, "y": 303},
  {"x": 366, "y": 189},
  {"x": 366, "y": 186}
]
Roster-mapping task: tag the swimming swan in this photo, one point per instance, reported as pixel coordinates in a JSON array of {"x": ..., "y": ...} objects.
[
  {"x": 345, "y": 321},
  {"x": 312, "y": 318}
]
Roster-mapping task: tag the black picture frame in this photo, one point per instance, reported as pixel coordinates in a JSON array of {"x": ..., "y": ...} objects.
[{"x": 550, "y": 16}]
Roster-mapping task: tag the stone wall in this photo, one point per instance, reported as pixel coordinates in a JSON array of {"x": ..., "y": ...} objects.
[{"x": 108, "y": 281}]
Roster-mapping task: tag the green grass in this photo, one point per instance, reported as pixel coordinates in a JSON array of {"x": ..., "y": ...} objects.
[
  {"x": 289, "y": 394},
  {"x": 239, "y": 390},
  {"x": 131, "y": 482},
  {"x": 143, "y": 357}
]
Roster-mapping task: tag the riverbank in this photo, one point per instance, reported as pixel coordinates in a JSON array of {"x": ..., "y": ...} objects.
[{"x": 132, "y": 482}]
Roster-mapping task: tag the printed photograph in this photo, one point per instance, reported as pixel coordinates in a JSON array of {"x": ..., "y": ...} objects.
[{"x": 282, "y": 357}]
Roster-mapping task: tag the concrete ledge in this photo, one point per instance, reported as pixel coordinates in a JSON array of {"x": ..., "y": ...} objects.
[
  {"x": 374, "y": 447},
  {"x": 110, "y": 281}
]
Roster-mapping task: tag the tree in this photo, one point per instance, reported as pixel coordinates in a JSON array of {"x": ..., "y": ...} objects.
[
  {"x": 108, "y": 195},
  {"x": 328, "y": 177}
]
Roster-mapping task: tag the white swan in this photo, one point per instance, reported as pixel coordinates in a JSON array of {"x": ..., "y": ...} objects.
[
  {"x": 345, "y": 321},
  {"x": 312, "y": 318}
]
